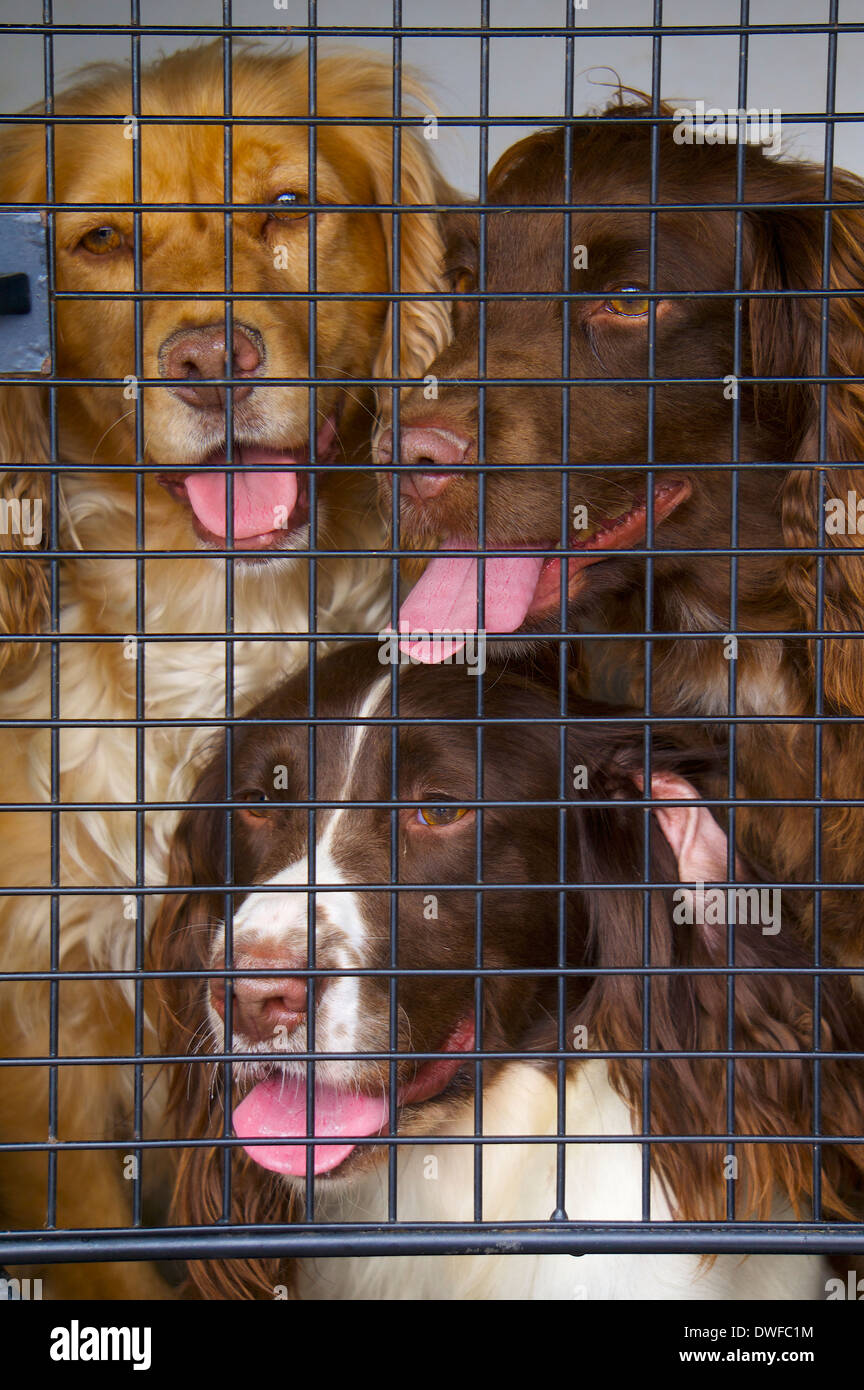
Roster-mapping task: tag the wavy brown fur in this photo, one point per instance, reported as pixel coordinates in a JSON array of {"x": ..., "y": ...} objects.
[{"x": 778, "y": 504}]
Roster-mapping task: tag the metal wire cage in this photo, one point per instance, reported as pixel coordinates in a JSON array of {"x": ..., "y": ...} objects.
[{"x": 148, "y": 1239}]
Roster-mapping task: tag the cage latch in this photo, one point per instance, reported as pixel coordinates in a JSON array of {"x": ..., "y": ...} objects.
[
  {"x": 24, "y": 328},
  {"x": 15, "y": 294}
]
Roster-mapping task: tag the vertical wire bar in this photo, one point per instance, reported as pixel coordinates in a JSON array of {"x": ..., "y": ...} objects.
[
  {"x": 140, "y": 619},
  {"x": 396, "y": 370},
  {"x": 649, "y": 605},
  {"x": 394, "y": 308},
  {"x": 312, "y": 618},
  {"x": 819, "y": 662},
  {"x": 53, "y": 439},
  {"x": 228, "y": 282},
  {"x": 737, "y": 345},
  {"x": 479, "y": 995},
  {"x": 564, "y": 772}
]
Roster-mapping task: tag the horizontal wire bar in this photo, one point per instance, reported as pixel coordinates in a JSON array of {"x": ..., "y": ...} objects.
[
  {"x": 469, "y": 1238},
  {"x": 546, "y": 551},
  {"x": 555, "y": 803},
  {"x": 445, "y": 972},
  {"x": 426, "y": 31},
  {"x": 814, "y": 379},
  {"x": 611, "y": 465},
  {"x": 430, "y": 297},
  {"x": 62, "y": 119},
  {"x": 443, "y": 721},
  {"x": 421, "y": 209},
  {"x": 166, "y": 890},
  {"x": 409, "y": 122},
  {"x": 418, "y": 1140}
]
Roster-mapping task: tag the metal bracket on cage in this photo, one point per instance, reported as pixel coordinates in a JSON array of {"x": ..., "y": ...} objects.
[{"x": 24, "y": 330}]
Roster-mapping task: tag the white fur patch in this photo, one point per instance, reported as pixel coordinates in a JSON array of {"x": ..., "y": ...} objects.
[
  {"x": 435, "y": 1183},
  {"x": 279, "y": 919}
]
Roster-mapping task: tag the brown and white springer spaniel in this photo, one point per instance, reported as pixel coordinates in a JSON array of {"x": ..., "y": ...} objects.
[{"x": 427, "y": 843}]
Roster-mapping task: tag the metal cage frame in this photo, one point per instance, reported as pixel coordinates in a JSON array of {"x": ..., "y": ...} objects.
[{"x": 308, "y": 1236}]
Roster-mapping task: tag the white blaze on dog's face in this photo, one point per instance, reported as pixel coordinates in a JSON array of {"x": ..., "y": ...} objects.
[{"x": 272, "y": 928}]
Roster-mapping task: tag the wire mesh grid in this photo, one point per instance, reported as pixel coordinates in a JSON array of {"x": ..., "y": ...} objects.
[{"x": 309, "y": 1234}]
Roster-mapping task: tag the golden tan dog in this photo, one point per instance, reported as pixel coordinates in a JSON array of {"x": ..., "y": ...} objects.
[{"x": 115, "y": 677}]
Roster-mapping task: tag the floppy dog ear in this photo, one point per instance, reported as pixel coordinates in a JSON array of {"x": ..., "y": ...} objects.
[
  {"x": 786, "y": 340},
  {"x": 25, "y": 597},
  {"x": 180, "y": 941},
  {"x": 179, "y": 938},
  {"x": 773, "y": 1012}
]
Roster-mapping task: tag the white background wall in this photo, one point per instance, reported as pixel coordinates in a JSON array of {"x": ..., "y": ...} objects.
[{"x": 786, "y": 71}]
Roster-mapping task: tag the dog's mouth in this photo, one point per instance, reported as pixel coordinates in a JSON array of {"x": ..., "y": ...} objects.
[
  {"x": 276, "y": 1108},
  {"x": 270, "y": 492},
  {"x": 518, "y": 589}
]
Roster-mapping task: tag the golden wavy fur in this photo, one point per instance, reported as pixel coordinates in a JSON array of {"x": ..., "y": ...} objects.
[{"x": 115, "y": 680}]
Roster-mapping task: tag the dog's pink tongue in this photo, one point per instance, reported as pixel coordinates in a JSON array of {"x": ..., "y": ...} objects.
[
  {"x": 445, "y": 600},
  {"x": 263, "y": 502},
  {"x": 277, "y": 1108}
]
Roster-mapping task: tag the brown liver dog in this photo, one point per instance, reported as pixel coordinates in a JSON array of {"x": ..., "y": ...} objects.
[{"x": 694, "y": 511}]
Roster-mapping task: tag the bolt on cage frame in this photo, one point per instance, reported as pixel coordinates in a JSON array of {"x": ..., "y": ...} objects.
[{"x": 309, "y": 1237}]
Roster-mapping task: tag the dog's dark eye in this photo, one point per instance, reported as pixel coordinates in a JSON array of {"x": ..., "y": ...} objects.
[
  {"x": 629, "y": 301},
  {"x": 101, "y": 241},
  {"x": 434, "y": 816},
  {"x": 289, "y": 206},
  {"x": 256, "y": 801}
]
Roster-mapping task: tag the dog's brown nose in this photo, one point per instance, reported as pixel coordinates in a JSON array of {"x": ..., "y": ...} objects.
[
  {"x": 426, "y": 447},
  {"x": 263, "y": 1005},
  {"x": 195, "y": 353}
]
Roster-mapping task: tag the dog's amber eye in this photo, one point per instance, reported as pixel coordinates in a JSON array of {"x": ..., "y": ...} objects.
[
  {"x": 101, "y": 241},
  {"x": 440, "y": 815},
  {"x": 463, "y": 282},
  {"x": 630, "y": 302},
  {"x": 289, "y": 206},
  {"x": 256, "y": 801}
]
